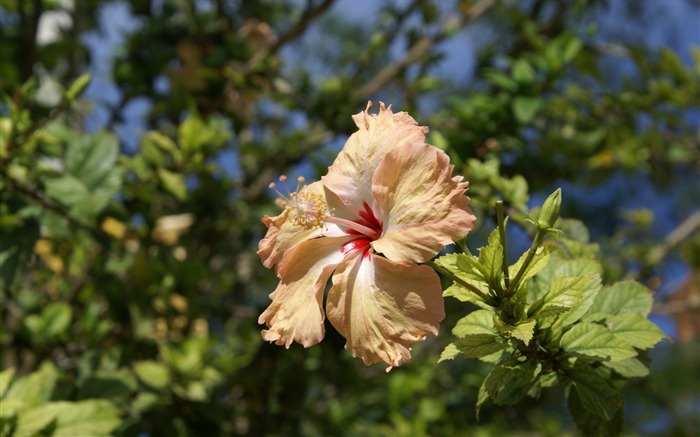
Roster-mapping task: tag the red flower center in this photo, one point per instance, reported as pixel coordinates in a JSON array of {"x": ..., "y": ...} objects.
[{"x": 367, "y": 226}]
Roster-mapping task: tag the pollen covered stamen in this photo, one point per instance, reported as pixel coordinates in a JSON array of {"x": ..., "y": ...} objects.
[{"x": 306, "y": 209}]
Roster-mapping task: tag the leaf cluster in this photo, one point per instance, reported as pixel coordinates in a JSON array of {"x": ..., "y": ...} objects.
[{"x": 547, "y": 320}]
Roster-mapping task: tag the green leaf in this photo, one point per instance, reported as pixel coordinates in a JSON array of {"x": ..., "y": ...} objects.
[
  {"x": 523, "y": 72},
  {"x": 672, "y": 63},
  {"x": 501, "y": 80},
  {"x": 596, "y": 394},
  {"x": 194, "y": 134},
  {"x": 31, "y": 422},
  {"x": 522, "y": 331},
  {"x": 477, "y": 322},
  {"x": 590, "y": 423},
  {"x": 189, "y": 133},
  {"x": 566, "y": 291},
  {"x": 479, "y": 345},
  {"x": 34, "y": 388},
  {"x": 53, "y": 322},
  {"x": 449, "y": 353},
  {"x": 6, "y": 127},
  {"x": 491, "y": 260},
  {"x": 462, "y": 265},
  {"x": 539, "y": 262},
  {"x": 565, "y": 267},
  {"x": 152, "y": 153},
  {"x": 153, "y": 374},
  {"x": 86, "y": 418},
  {"x": 557, "y": 267},
  {"x": 164, "y": 143},
  {"x": 173, "y": 183},
  {"x": 91, "y": 160},
  {"x": 631, "y": 368},
  {"x": 68, "y": 190},
  {"x": 590, "y": 291},
  {"x": 525, "y": 108},
  {"x": 464, "y": 294},
  {"x": 595, "y": 341},
  {"x": 78, "y": 87},
  {"x": 481, "y": 398},
  {"x": 623, "y": 297},
  {"x": 107, "y": 384},
  {"x": 5, "y": 379},
  {"x": 571, "y": 49},
  {"x": 72, "y": 193},
  {"x": 635, "y": 330},
  {"x": 508, "y": 384},
  {"x": 466, "y": 267},
  {"x": 15, "y": 250}
]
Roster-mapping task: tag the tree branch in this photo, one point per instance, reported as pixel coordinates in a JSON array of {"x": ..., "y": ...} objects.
[
  {"x": 679, "y": 234},
  {"x": 45, "y": 203},
  {"x": 421, "y": 48},
  {"x": 300, "y": 26}
]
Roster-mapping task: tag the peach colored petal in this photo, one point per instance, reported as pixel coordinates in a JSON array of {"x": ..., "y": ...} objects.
[
  {"x": 350, "y": 176},
  {"x": 296, "y": 312},
  {"x": 421, "y": 206},
  {"x": 282, "y": 234},
  {"x": 382, "y": 307}
]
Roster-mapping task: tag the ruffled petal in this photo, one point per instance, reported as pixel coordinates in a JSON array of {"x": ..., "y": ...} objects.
[
  {"x": 382, "y": 307},
  {"x": 282, "y": 233},
  {"x": 350, "y": 176},
  {"x": 421, "y": 206},
  {"x": 296, "y": 312}
]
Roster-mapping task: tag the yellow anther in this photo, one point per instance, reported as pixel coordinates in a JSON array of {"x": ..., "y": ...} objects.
[{"x": 306, "y": 209}]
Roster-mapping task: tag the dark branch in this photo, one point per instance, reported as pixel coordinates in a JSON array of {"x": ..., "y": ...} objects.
[
  {"x": 421, "y": 48},
  {"x": 297, "y": 29}
]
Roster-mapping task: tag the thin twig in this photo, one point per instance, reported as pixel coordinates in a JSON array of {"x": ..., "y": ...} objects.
[
  {"x": 502, "y": 234},
  {"x": 675, "y": 237},
  {"x": 523, "y": 268},
  {"x": 420, "y": 48},
  {"x": 300, "y": 26},
  {"x": 45, "y": 203}
]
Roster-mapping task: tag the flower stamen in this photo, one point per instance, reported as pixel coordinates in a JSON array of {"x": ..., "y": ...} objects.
[{"x": 306, "y": 209}]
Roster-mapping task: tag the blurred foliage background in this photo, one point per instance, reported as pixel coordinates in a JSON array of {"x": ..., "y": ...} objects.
[{"x": 130, "y": 216}]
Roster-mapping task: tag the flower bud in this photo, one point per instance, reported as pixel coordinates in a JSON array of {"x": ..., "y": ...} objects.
[{"x": 550, "y": 210}]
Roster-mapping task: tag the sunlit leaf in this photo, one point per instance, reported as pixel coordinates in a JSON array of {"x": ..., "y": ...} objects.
[
  {"x": 623, "y": 297},
  {"x": 479, "y": 345},
  {"x": 152, "y": 373},
  {"x": 522, "y": 331},
  {"x": 566, "y": 291},
  {"x": 630, "y": 368},
  {"x": 526, "y": 108},
  {"x": 173, "y": 183},
  {"x": 595, "y": 341},
  {"x": 635, "y": 330},
  {"x": 34, "y": 388},
  {"x": 86, "y": 418}
]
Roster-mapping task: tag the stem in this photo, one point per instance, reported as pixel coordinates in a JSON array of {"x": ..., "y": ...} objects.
[
  {"x": 502, "y": 233},
  {"x": 530, "y": 254},
  {"x": 488, "y": 299},
  {"x": 462, "y": 244}
]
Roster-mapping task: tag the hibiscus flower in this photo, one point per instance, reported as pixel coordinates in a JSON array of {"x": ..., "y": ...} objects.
[{"x": 388, "y": 203}]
